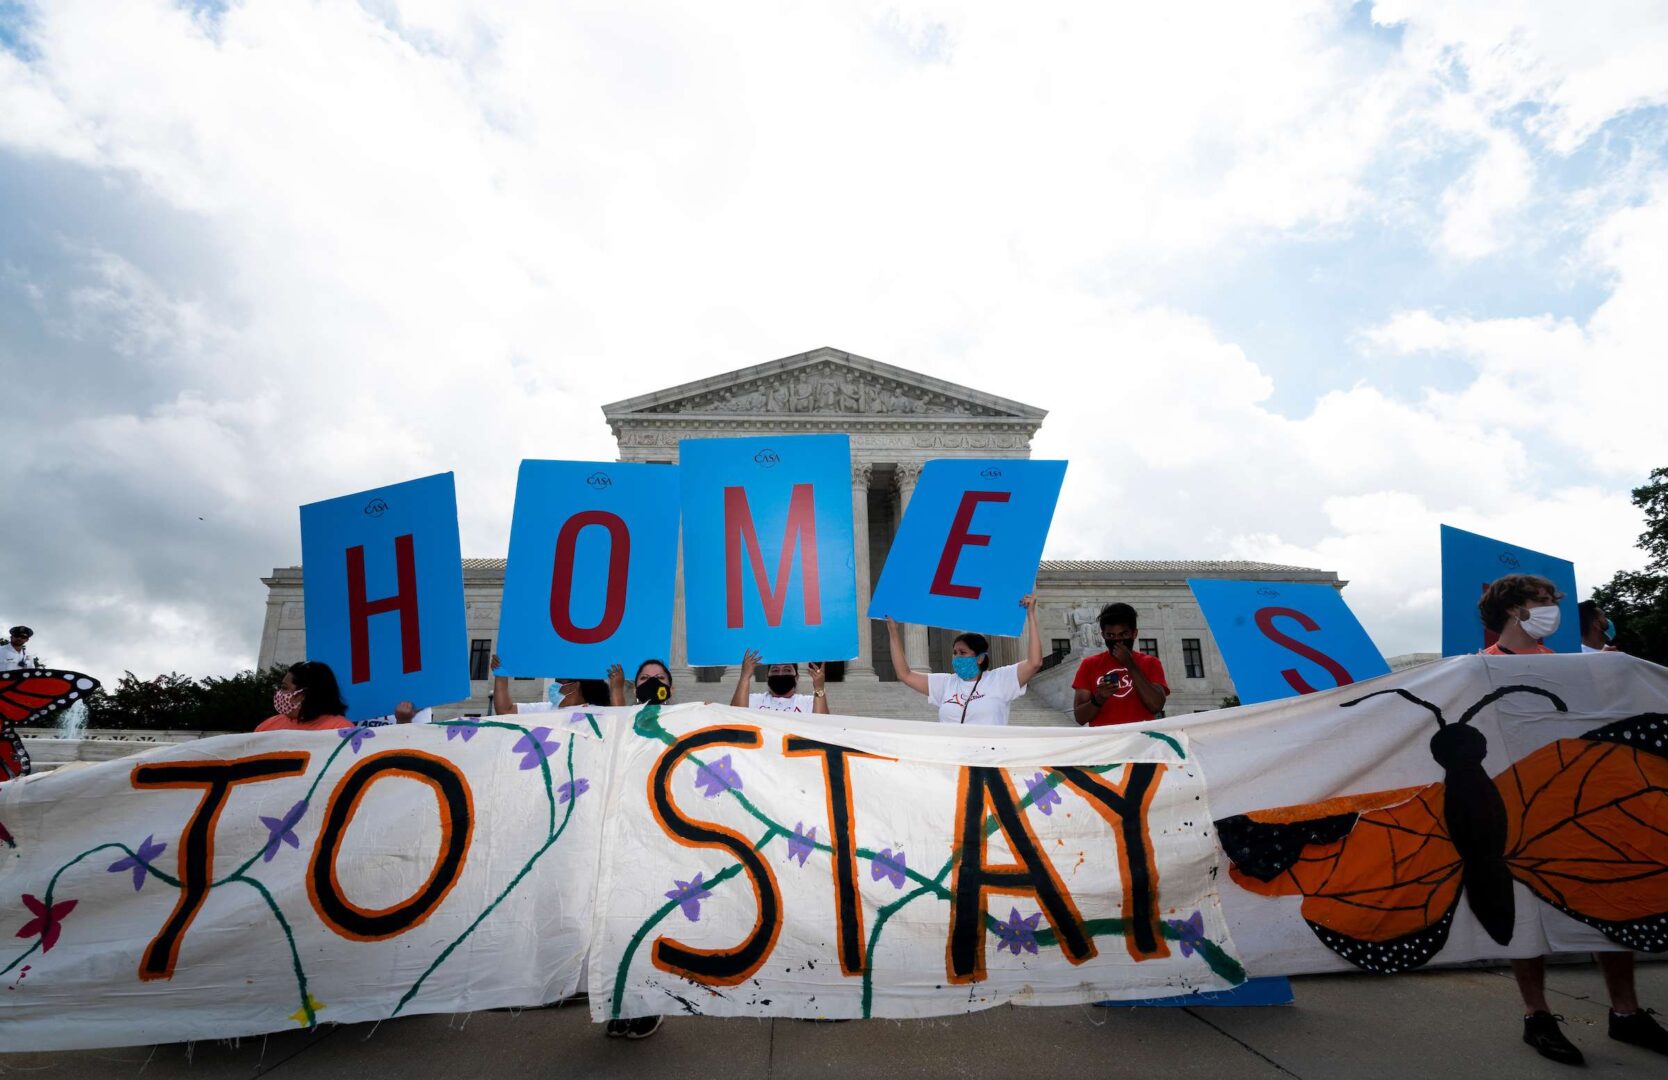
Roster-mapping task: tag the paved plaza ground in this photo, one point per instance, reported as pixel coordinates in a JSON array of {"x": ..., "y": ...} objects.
[{"x": 1431, "y": 1024}]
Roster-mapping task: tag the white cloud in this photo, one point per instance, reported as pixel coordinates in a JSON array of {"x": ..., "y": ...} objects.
[{"x": 330, "y": 249}]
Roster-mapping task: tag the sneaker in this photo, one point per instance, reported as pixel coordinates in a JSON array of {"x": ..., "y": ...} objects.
[
  {"x": 1541, "y": 1032},
  {"x": 616, "y": 1028},
  {"x": 642, "y": 1027},
  {"x": 1638, "y": 1029}
]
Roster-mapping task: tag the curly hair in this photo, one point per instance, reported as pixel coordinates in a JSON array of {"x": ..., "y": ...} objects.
[{"x": 1513, "y": 590}]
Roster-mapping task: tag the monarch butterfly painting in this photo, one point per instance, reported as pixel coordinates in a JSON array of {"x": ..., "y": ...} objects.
[
  {"x": 27, "y": 695},
  {"x": 1582, "y": 822}
]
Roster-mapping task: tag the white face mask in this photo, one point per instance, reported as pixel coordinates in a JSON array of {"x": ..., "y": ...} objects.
[{"x": 1542, "y": 622}]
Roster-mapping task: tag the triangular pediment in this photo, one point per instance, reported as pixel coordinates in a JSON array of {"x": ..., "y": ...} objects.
[{"x": 822, "y": 383}]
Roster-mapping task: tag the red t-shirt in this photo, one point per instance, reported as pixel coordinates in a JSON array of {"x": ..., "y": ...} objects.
[
  {"x": 1496, "y": 650},
  {"x": 1124, "y": 706}
]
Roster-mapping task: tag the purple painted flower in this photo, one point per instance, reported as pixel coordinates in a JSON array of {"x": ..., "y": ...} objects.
[
  {"x": 47, "y": 921},
  {"x": 534, "y": 747},
  {"x": 1190, "y": 932},
  {"x": 573, "y": 789},
  {"x": 140, "y": 861},
  {"x": 689, "y": 895},
  {"x": 717, "y": 778},
  {"x": 1043, "y": 797},
  {"x": 467, "y": 728},
  {"x": 579, "y": 718},
  {"x": 1018, "y": 933},
  {"x": 802, "y": 842},
  {"x": 356, "y": 736},
  {"x": 889, "y": 866},
  {"x": 282, "y": 830}
]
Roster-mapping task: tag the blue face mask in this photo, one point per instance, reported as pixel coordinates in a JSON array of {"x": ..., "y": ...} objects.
[
  {"x": 966, "y": 667},
  {"x": 1610, "y": 630}
]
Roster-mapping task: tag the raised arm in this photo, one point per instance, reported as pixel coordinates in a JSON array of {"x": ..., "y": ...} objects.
[
  {"x": 819, "y": 676},
  {"x": 502, "y": 703},
  {"x": 616, "y": 685},
  {"x": 744, "y": 684},
  {"x": 1033, "y": 653},
  {"x": 915, "y": 680}
]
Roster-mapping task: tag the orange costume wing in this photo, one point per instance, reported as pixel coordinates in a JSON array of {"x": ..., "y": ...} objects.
[
  {"x": 1587, "y": 828},
  {"x": 1378, "y": 873}
]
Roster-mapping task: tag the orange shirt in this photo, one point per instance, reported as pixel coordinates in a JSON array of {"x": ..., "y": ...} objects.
[
  {"x": 1496, "y": 650},
  {"x": 322, "y": 723}
]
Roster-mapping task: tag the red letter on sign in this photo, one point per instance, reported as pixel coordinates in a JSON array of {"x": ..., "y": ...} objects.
[
  {"x": 801, "y": 531},
  {"x": 561, "y": 578},
  {"x": 404, "y": 601},
  {"x": 1265, "y": 622},
  {"x": 959, "y": 538}
]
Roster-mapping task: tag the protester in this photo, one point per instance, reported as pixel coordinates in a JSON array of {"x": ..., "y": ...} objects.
[
  {"x": 307, "y": 699},
  {"x": 1597, "y": 631},
  {"x": 563, "y": 694},
  {"x": 782, "y": 680},
  {"x": 1523, "y": 610},
  {"x": 404, "y": 713},
  {"x": 973, "y": 693},
  {"x": 1120, "y": 685},
  {"x": 653, "y": 687},
  {"x": 15, "y": 653},
  {"x": 653, "y": 684}
]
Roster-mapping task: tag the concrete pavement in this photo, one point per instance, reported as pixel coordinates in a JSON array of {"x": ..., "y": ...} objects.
[{"x": 1431, "y": 1024}]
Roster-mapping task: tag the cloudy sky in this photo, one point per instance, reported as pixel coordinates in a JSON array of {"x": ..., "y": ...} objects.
[{"x": 1294, "y": 287}]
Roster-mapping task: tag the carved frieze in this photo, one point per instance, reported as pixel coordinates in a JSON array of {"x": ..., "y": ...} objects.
[{"x": 826, "y": 389}]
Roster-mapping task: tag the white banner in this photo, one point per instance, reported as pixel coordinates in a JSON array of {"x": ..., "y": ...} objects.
[{"x": 722, "y": 861}]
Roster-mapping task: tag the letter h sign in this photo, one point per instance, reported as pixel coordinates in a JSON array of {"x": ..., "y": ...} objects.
[{"x": 384, "y": 595}]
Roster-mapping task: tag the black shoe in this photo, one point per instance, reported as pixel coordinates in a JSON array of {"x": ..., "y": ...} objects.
[
  {"x": 1638, "y": 1029},
  {"x": 641, "y": 1027},
  {"x": 616, "y": 1028},
  {"x": 1541, "y": 1032}
]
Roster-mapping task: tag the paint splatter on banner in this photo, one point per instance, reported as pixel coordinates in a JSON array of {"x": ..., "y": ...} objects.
[{"x": 716, "y": 861}]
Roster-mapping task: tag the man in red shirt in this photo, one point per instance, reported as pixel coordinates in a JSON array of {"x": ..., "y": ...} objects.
[{"x": 1120, "y": 685}]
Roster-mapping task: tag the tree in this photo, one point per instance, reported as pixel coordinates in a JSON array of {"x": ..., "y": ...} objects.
[
  {"x": 1637, "y": 600},
  {"x": 175, "y": 702}
]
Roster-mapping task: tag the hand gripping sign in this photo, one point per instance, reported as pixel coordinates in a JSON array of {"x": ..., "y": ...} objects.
[
  {"x": 1470, "y": 563},
  {"x": 768, "y": 561},
  {"x": 593, "y": 559},
  {"x": 969, "y": 544},
  {"x": 385, "y": 594},
  {"x": 1281, "y": 639}
]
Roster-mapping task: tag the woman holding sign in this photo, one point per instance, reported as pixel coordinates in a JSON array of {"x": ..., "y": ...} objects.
[{"x": 973, "y": 693}]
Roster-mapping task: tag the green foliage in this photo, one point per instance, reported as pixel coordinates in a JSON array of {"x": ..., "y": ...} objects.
[
  {"x": 175, "y": 702},
  {"x": 1637, "y": 600},
  {"x": 1230, "y": 702}
]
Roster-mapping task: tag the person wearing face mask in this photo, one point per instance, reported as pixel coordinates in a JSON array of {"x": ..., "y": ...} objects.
[
  {"x": 973, "y": 693},
  {"x": 783, "y": 682},
  {"x": 307, "y": 699},
  {"x": 1597, "y": 631},
  {"x": 1523, "y": 610},
  {"x": 14, "y": 654},
  {"x": 651, "y": 686},
  {"x": 563, "y": 694},
  {"x": 1120, "y": 685}
]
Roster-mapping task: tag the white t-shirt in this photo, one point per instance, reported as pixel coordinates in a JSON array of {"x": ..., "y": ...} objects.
[
  {"x": 539, "y": 706},
  {"x": 791, "y": 703},
  {"x": 12, "y": 659},
  {"x": 422, "y": 716},
  {"x": 988, "y": 705}
]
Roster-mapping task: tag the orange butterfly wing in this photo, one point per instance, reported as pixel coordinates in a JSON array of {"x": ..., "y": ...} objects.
[
  {"x": 27, "y": 695},
  {"x": 1378, "y": 874},
  {"x": 1588, "y": 828}
]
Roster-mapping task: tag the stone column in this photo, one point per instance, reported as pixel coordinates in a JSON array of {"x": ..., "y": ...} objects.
[
  {"x": 915, "y": 637},
  {"x": 864, "y": 666},
  {"x": 683, "y": 676}
]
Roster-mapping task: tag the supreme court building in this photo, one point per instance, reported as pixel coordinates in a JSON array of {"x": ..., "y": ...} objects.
[{"x": 897, "y": 420}]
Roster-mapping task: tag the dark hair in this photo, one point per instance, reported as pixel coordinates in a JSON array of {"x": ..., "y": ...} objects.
[
  {"x": 661, "y": 664},
  {"x": 980, "y": 646},
  {"x": 1119, "y": 614},
  {"x": 1513, "y": 590},
  {"x": 595, "y": 692},
  {"x": 322, "y": 696},
  {"x": 1589, "y": 614}
]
